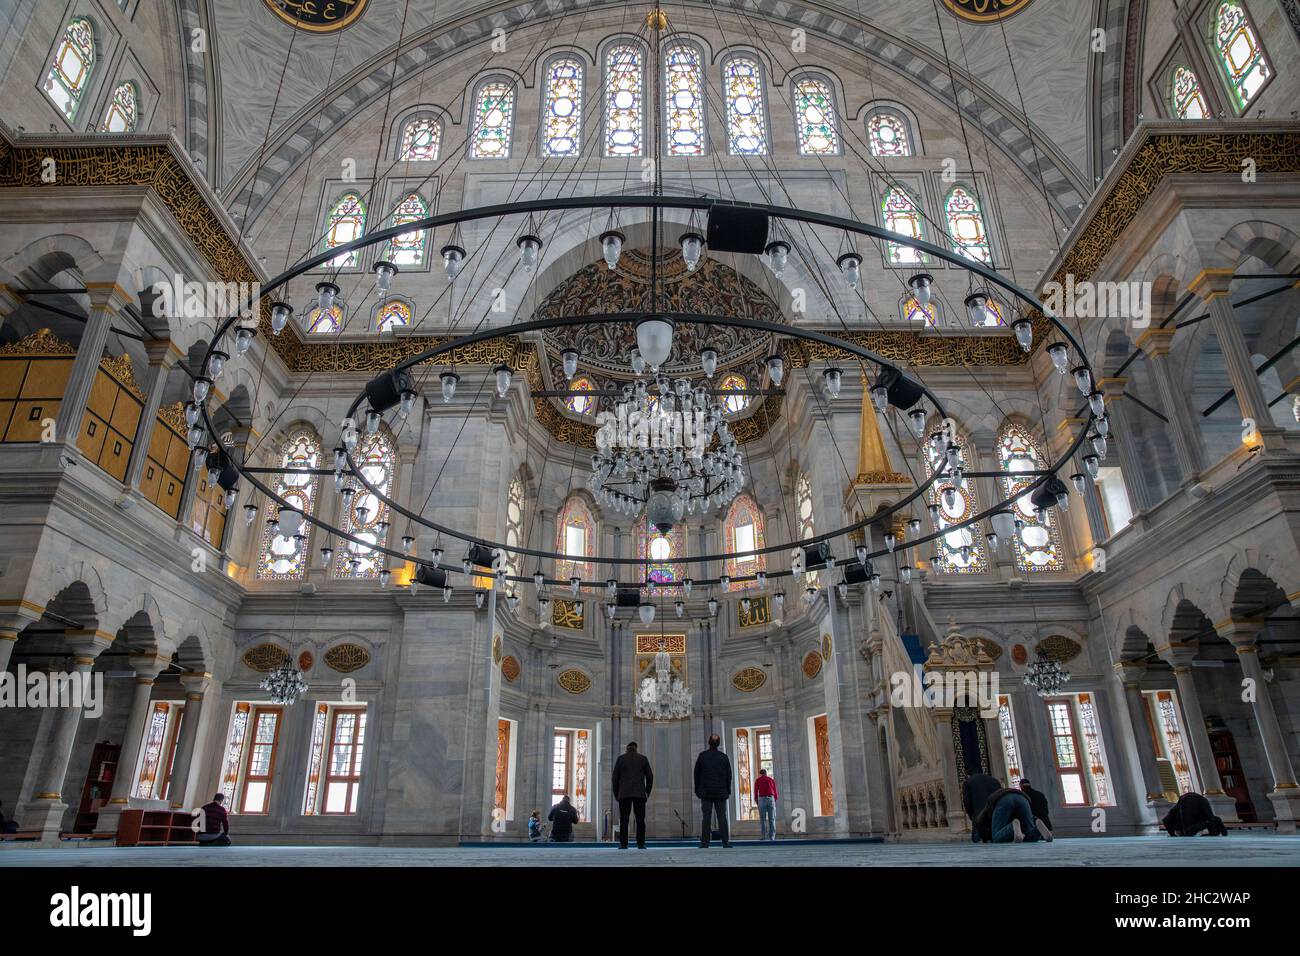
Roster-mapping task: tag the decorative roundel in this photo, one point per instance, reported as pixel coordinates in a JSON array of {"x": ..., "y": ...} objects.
[
  {"x": 1058, "y": 648},
  {"x": 749, "y": 679},
  {"x": 496, "y": 649},
  {"x": 574, "y": 681},
  {"x": 826, "y": 646},
  {"x": 322, "y": 17},
  {"x": 812, "y": 664},
  {"x": 985, "y": 11},
  {"x": 265, "y": 657},
  {"x": 1019, "y": 654},
  {"x": 346, "y": 658},
  {"x": 510, "y": 668},
  {"x": 305, "y": 660}
]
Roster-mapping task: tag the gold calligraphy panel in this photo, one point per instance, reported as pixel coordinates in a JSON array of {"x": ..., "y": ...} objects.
[
  {"x": 985, "y": 11},
  {"x": 318, "y": 16},
  {"x": 758, "y": 614},
  {"x": 567, "y": 614}
]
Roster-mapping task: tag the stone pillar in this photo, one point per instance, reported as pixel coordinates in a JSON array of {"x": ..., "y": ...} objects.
[
  {"x": 162, "y": 359},
  {"x": 1139, "y": 746},
  {"x": 106, "y": 301},
  {"x": 1285, "y": 795},
  {"x": 1156, "y": 343},
  {"x": 1066, "y": 432},
  {"x": 196, "y": 685},
  {"x": 44, "y": 812},
  {"x": 1212, "y": 286},
  {"x": 1179, "y": 657},
  {"x": 147, "y": 667},
  {"x": 13, "y": 620},
  {"x": 1117, "y": 410}
]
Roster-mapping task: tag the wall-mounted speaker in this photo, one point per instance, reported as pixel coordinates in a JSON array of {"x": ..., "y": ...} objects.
[
  {"x": 737, "y": 229},
  {"x": 431, "y": 577}
]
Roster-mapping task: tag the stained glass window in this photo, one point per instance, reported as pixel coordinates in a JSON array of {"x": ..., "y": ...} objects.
[
  {"x": 994, "y": 314},
  {"x": 317, "y": 758},
  {"x": 562, "y": 108},
  {"x": 151, "y": 752},
  {"x": 582, "y": 404},
  {"x": 655, "y": 551},
  {"x": 1065, "y": 751},
  {"x": 284, "y": 553},
  {"x": 123, "y": 109},
  {"x": 684, "y": 100},
  {"x": 966, "y": 225},
  {"x": 901, "y": 214},
  {"x": 408, "y": 249},
  {"x": 343, "y": 764},
  {"x": 1173, "y": 747},
  {"x": 1037, "y": 544},
  {"x": 746, "y": 115},
  {"x": 494, "y": 116},
  {"x": 887, "y": 134},
  {"x": 743, "y": 531},
  {"x": 345, "y": 222},
  {"x": 367, "y": 517},
  {"x": 731, "y": 381},
  {"x": 1010, "y": 746},
  {"x": 1240, "y": 53},
  {"x": 814, "y": 107},
  {"x": 514, "y": 524},
  {"x": 1098, "y": 775},
  {"x": 960, "y": 550},
  {"x": 624, "y": 84},
  {"x": 70, "y": 70},
  {"x": 234, "y": 751},
  {"x": 421, "y": 138},
  {"x": 331, "y": 320},
  {"x": 804, "y": 513},
  {"x": 262, "y": 745},
  {"x": 1186, "y": 96},
  {"x": 575, "y": 534},
  {"x": 393, "y": 314},
  {"x": 914, "y": 311}
]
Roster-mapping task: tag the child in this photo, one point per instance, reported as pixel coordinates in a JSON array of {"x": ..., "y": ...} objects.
[{"x": 535, "y": 826}]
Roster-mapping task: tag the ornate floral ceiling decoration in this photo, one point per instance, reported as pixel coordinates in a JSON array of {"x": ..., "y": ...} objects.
[
  {"x": 318, "y": 16},
  {"x": 714, "y": 288},
  {"x": 986, "y": 11}
]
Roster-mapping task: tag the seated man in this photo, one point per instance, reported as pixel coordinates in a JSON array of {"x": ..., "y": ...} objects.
[
  {"x": 1192, "y": 814},
  {"x": 563, "y": 816},
  {"x": 216, "y": 831}
]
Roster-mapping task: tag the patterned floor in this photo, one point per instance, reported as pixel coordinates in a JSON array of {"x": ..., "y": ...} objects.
[{"x": 1244, "y": 850}]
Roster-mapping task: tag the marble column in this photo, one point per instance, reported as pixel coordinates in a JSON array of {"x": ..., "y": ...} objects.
[
  {"x": 44, "y": 812},
  {"x": 1212, "y": 287},
  {"x": 1117, "y": 410},
  {"x": 1179, "y": 657},
  {"x": 163, "y": 356},
  {"x": 196, "y": 685},
  {"x": 1285, "y": 795},
  {"x": 1156, "y": 344},
  {"x": 106, "y": 301},
  {"x": 13, "y": 620},
  {"x": 1139, "y": 746},
  {"x": 147, "y": 667}
]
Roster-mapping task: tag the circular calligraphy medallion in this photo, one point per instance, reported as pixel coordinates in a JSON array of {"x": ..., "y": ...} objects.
[
  {"x": 318, "y": 16},
  {"x": 985, "y": 11}
]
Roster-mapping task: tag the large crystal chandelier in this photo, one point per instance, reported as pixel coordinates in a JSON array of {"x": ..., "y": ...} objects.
[
  {"x": 1046, "y": 675},
  {"x": 284, "y": 684},
  {"x": 663, "y": 696},
  {"x": 666, "y": 449}
]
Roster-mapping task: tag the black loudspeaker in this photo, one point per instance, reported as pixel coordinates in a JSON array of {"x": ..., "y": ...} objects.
[
  {"x": 815, "y": 555},
  {"x": 737, "y": 229},
  {"x": 629, "y": 597},
  {"x": 431, "y": 577},
  {"x": 480, "y": 555},
  {"x": 855, "y": 573},
  {"x": 384, "y": 391},
  {"x": 902, "y": 391}
]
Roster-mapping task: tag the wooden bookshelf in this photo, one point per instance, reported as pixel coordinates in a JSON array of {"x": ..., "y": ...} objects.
[
  {"x": 1231, "y": 776},
  {"x": 98, "y": 786},
  {"x": 156, "y": 828}
]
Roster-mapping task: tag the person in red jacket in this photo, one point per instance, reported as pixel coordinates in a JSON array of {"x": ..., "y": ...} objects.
[
  {"x": 216, "y": 825},
  {"x": 765, "y": 797}
]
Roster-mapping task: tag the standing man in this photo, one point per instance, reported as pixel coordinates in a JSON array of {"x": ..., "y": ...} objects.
[
  {"x": 713, "y": 787},
  {"x": 633, "y": 781},
  {"x": 765, "y": 797}
]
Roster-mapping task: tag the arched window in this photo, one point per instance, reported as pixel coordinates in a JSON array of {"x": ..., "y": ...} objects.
[
  {"x": 582, "y": 404},
  {"x": 803, "y": 502},
  {"x": 1241, "y": 55},
  {"x": 960, "y": 550},
  {"x": 914, "y": 311},
  {"x": 367, "y": 517},
  {"x": 575, "y": 534},
  {"x": 730, "y": 382},
  {"x": 743, "y": 531},
  {"x": 562, "y": 108},
  {"x": 69, "y": 73},
  {"x": 624, "y": 85},
  {"x": 323, "y": 323},
  {"x": 995, "y": 316},
  {"x": 392, "y": 314},
  {"x": 420, "y": 139},
  {"x": 514, "y": 524},
  {"x": 742, "y": 80},
  {"x": 345, "y": 221},
  {"x": 409, "y": 248},
  {"x": 284, "y": 552},
  {"x": 966, "y": 225},
  {"x": 123, "y": 109},
  {"x": 1037, "y": 543},
  {"x": 901, "y": 214},
  {"x": 887, "y": 134},
  {"x": 684, "y": 100},
  {"x": 814, "y": 110},
  {"x": 1186, "y": 96},
  {"x": 656, "y": 551},
  {"x": 494, "y": 120}
]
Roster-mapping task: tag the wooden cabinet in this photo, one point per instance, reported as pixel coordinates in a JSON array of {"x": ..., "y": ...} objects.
[
  {"x": 1231, "y": 776},
  {"x": 156, "y": 828}
]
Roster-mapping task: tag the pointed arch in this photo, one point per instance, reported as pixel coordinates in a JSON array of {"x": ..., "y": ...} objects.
[
  {"x": 656, "y": 553},
  {"x": 344, "y": 222},
  {"x": 624, "y": 99},
  {"x": 816, "y": 118},
  {"x": 961, "y": 550},
  {"x": 562, "y": 99},
  {"x": 913, "y": 311},
  {"x": 393, "y": 314},
  {"x": 581, "y": 404},
  {"x": 71, "y": 68},
  {"x": 420, "y": 138},
  {"x": 492, "y": 133},
  {"x": 1037, "y": 541},
  {"x": 889, "y": 134},
  {"x": 1186, "y": 98},
  {"x": 684, "y": 99},
  {"x": 743, "y": 530},
  {"x": 514, "y": 536},
  {"x": 1239, "y": 53},
  {"x": 805, "y": 512},
  {"x": 901, "y": 213},
  {"x": 575, "y": 534},
  {"x": 410, "y": 249},
  {"x": 123, "y": 109},
  {"x": 284, "y": 553},
  {"x": 966, "y": 224},
  {"x": 367, "y": 517},
  {"x": 745, "y": 98}
]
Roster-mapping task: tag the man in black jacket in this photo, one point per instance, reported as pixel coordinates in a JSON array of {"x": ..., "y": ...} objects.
[
  {"x": 713, "y": 787},
  {"x": 563, "y": 816},
  {"x": 975, "y": 793},
  {"x": 633, "y": 781},
  {"x": 1037, "y": 804},
  {"x": 1192, "y": 814}
]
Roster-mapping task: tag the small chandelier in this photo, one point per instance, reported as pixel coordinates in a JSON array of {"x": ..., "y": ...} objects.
[
  {"x": 285, "y": 684},
  {"x": 1046, "y": 675}
]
